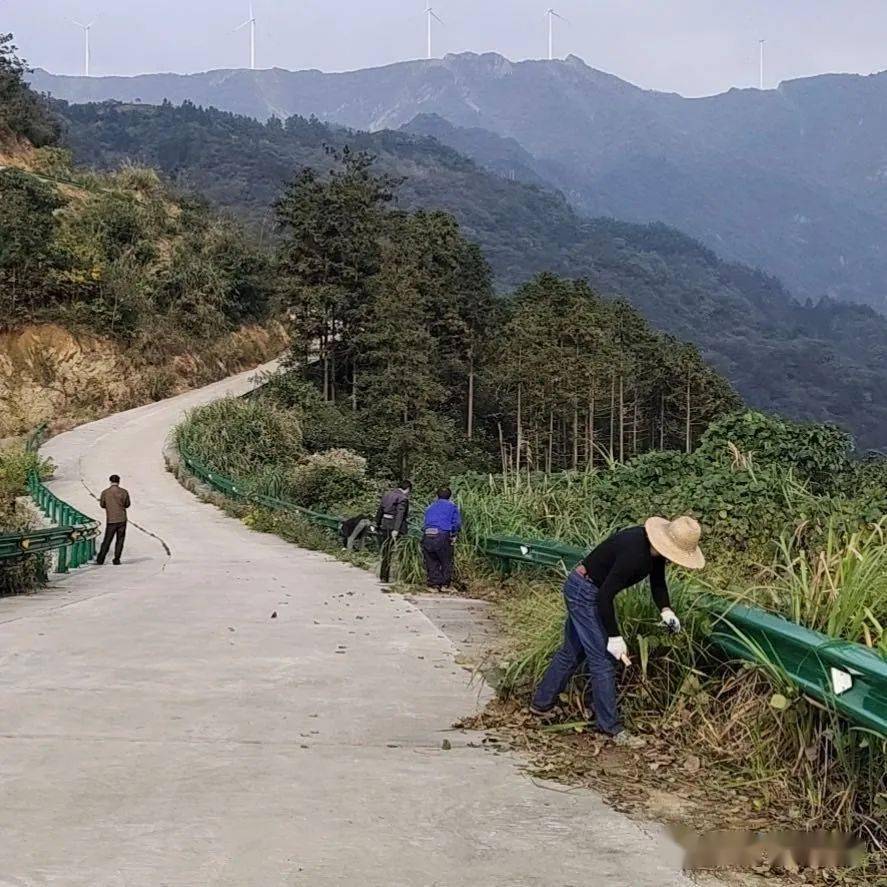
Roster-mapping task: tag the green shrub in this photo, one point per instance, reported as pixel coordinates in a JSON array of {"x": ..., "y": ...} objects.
[
  {"x": 332, "y": 482},
  {"x": 29, "y": 572},
  {"x": 817, "y": 454},
  {"x": 242, "y": 438},
  {"x": 15, "y": 465},
  {"x": 325, "y": 425}
]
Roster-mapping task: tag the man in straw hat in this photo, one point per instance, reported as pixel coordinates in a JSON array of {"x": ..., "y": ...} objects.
[{"x": 592, "y": 633}]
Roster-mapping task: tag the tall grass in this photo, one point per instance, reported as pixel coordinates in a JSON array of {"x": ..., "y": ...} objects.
[
  {"x": 535, "y": 506},
  {"x": 839, "y": 589}
]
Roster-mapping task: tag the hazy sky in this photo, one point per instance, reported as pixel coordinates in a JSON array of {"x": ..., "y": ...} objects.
[{"x": 694, "y": 47}]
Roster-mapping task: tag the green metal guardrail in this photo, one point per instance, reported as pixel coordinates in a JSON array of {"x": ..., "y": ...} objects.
[
  {"x": 847, "y": 678},
  {"x": 73, "y": 535}
]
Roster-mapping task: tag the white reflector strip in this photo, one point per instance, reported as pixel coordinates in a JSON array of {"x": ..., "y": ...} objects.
[{"x": 841, "y": 681}]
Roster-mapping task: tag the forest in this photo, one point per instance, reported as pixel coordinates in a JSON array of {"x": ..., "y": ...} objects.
[
  {"x": 413, "y": 346},
  {"x": 817, "y": 361}
]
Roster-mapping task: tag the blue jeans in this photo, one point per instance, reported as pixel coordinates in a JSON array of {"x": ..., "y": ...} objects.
[{"x": 585, "y": 638}]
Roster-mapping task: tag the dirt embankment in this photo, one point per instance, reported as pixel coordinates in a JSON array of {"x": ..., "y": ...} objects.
[{"x": 64, "y": 378}]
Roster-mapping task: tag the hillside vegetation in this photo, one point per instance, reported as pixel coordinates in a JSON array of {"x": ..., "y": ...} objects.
[
  {"x": 114, "y": 290},
  {"x": 817, "y": 361},
  {"x": 790, "y": 180}
]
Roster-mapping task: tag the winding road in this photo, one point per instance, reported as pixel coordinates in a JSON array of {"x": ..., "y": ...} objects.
[{"x": 159, "y": 729}]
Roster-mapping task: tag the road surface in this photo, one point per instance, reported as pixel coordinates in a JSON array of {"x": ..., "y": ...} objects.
[{"x": 160, "y": 728}]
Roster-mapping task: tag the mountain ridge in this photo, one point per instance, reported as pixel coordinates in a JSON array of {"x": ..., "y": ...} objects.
[{"x": 792, "y": 180}]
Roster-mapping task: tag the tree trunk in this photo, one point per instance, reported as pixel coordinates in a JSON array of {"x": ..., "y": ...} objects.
[
  {"x": 326, "y": 363},
  {"x": 634, "y": 430},
  {"x": 661, "y": 420},
  {"x": 689, "y": 440},
  {"x": 621, "y": 420},
  {"x": 520, "y": 426},
  {"x": 591, "y": 430},
  {"x": 575, "y": 434},
  {"x": 354, "y": 387},
  {"x": 549, "y": 463},
  {"x": 471, "y": 394},
  {"x": 333, "y": 356}
]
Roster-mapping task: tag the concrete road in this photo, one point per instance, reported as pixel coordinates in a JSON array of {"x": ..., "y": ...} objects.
[{"x": 158, "y": 727}]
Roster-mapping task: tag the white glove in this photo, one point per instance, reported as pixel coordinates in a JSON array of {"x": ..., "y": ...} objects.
[
  {"x": 670, "y": 620},
  {"x": 395, "y": 534},
  {"x": 617, "y": 648}
]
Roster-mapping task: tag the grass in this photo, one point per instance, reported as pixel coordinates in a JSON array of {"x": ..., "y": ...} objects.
[
  {"x": 840, "y": 590},
  {"x": 534, "y": 507}
]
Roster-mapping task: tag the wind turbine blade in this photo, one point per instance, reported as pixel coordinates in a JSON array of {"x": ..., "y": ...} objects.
[
  {"x": 240, "y": 27},
  {"x": 75, "y": 22},
  {"x": 556, "y": 15},
  {"x": 435, "y": 16}
]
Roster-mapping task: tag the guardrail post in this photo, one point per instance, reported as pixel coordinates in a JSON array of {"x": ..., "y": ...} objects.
[{"x": 62, "y": 565}]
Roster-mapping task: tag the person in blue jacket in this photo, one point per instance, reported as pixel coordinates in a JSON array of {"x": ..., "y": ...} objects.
[{"x": 439, "y": 531}]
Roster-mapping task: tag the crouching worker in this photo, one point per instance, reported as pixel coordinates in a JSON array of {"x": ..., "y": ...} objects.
[
  {"x": 354, "y": 532},
  {"x": 439, "y": 531},
  {"x": 591, "y": 632}
]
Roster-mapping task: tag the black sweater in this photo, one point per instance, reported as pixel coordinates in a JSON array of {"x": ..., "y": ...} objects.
[{"x": 619, "y": 562}]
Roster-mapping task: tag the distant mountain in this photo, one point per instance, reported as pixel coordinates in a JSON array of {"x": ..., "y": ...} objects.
[
  {"x": 792, "y": 180},
  {"x": 824, "y": 362}
]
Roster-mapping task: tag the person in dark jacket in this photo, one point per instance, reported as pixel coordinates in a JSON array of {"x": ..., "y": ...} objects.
[
  {"x": 592, "y": 633},
  {"x": 439, "y": 530},
  {"x": 391, "y": 522},
  {"x": 115, "y": 501}
]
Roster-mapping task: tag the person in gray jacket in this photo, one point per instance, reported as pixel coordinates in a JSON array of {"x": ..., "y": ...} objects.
[{"x": 391, "y": 522}]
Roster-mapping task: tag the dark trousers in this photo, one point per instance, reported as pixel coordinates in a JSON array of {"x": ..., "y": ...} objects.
[
  {"x": 437, "y": 552},
  {"x": 585, "y": 639},
  {"x": 386, "y": 544},
  {"x": 116, "y": 532}
]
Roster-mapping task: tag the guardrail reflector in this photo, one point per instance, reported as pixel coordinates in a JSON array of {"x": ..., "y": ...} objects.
[{"x": 841, "y": 681}]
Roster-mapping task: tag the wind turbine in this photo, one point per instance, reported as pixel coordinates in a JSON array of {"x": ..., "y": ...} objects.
[
  {"x": 432, "y": 16},
  {"x": 551, "y": 15},
  {"x": 761, "y": 78},
  {"x": 251, "y": 21},
  {"x": 85, "y": 29}
]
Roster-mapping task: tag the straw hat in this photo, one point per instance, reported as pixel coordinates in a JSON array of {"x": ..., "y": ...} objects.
[{"x": 678, "y": 540}]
